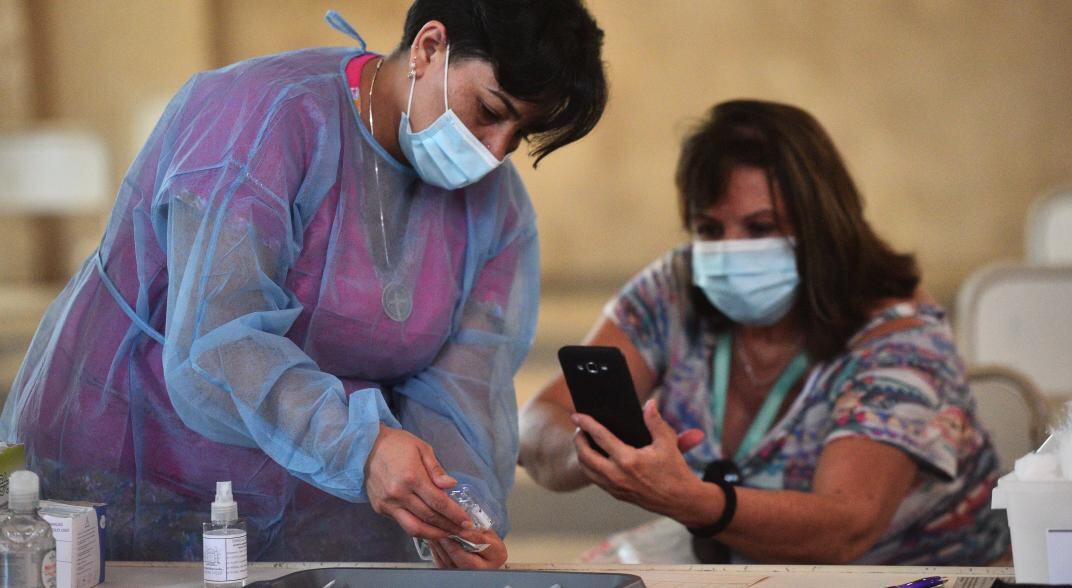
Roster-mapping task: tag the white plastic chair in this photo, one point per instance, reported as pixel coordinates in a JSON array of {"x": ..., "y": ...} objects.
[
  {"x": 1011, "y": 409},
  {"x": 1020, "y": 316},
  {"x": 53, "y": 171},
  {"x": 45, "y": 175},
  {"x": 1049, "y": 228}
]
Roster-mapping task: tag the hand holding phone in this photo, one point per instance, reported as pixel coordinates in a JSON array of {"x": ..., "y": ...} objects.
[{"x": 600, "y": 385}]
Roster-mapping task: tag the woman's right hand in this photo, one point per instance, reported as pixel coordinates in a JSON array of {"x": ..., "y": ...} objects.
[
  {"x": 405, "y": 482},
  {"x": 547, "y": 450}
]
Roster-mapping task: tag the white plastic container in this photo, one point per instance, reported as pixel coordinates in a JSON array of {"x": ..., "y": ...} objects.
[
  {"x": 1034, "y": 507},
  {"x": 27, "y": 547}
]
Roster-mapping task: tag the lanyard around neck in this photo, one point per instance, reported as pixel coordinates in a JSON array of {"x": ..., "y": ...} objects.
[{"x": 767, "y": 412}]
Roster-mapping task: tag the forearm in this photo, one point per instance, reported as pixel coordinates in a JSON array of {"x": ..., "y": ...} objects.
[
  {"x": 800, "y": 527},
  {"x": 474, "y": 448},
  {"x": 306, "y": 420},
  {"x": 770, "y": 526},
  {"x": 858, "y": 486},
  {"x": 547, "y": 451}
]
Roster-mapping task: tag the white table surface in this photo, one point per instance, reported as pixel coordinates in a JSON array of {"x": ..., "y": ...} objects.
[{"x": 188, "y": 575}]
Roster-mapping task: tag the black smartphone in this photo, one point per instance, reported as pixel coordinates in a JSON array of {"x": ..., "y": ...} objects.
[{"x": 599, "y": 382}]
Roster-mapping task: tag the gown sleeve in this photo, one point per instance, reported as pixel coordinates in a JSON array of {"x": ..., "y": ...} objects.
[
  {"x": 230, "y": 214},
  {"x": 463, "y": 404}
]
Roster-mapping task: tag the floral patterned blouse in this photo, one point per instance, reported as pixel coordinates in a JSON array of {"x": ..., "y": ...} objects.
[{"x": 906, "y": 388}]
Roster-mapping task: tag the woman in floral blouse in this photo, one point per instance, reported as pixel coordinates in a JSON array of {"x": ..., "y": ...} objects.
[{"x": 805, "y": 396}]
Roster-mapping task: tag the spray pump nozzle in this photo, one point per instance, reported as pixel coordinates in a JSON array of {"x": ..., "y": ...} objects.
[{"x": 224, "y": 508}]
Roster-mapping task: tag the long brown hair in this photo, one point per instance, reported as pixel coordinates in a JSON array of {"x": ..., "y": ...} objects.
[{"x": 845, "y": 268}]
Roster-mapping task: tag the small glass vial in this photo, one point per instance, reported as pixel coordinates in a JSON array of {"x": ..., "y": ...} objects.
[
  {"x": 225, "y": 555},
  {"x": 27, "y": 547},
  {"x": 463, "y": 495}
]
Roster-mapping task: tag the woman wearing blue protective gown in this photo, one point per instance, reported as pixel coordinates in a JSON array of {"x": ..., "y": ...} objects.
[{"x": 318, "y": 281}]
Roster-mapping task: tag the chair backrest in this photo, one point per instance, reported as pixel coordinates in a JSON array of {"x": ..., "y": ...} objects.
[
  {"x": 1011, "y": 410},
  {"x": 53, "y": 171},
  {"x": 1019, "y": 316},
  {"x": 1049, "y": 228}
]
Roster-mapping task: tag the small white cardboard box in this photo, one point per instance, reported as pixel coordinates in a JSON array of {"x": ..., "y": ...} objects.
[
  {"x": 1059, "y": 554},
  {"x": 79, "y": 531}
]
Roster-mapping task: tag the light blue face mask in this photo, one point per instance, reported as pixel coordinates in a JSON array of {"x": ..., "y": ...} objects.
[
  {"x": 446, "y": 154},
  {"x": 752, "y": 281}
]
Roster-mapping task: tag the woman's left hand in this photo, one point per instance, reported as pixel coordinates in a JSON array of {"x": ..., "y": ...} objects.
[
  {"x": 449, "y": 554},
  {"x": 654, "y": 477}
]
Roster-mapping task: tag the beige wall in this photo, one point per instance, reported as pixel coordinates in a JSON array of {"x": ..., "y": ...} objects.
[
  {"x": 14, "y": 64},
  {"x": 101, "y": 66},
  {"x": 15, "y": 109},
  {"x": 104, "y": 62},
  {"x": 952, "y": 114}
]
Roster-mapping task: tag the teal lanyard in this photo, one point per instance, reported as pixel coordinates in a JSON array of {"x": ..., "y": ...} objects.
[{"x": 767, "y": 412}]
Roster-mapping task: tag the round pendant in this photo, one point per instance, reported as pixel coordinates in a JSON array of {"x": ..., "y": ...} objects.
[{"x": 397, "y": 301}]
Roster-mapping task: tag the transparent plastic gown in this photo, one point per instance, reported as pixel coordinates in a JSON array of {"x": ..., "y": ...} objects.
[{"x": 271, "y": 287}]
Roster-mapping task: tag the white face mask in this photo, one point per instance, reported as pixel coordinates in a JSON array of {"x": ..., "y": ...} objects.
[
  {"x": 752, "y": 281},
  {"x": 446, "y": 154}
]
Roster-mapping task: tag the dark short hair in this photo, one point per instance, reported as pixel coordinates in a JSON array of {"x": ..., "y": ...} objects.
[
  {"x": 845, "y": 268},
  {"x": 542, "y": 51}
]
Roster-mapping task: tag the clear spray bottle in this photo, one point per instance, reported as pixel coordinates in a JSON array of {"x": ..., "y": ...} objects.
[
  {"x": 27, "y": 547},
  {"x": 225, "y": 542}
]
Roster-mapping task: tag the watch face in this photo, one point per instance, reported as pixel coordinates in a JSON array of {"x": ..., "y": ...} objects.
[{"x": 723, "y": 470}]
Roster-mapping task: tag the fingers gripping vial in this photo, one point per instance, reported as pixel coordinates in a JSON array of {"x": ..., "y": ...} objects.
[{"x": 463, "y": 495}]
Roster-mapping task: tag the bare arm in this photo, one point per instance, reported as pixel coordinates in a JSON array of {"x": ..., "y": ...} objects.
[
  {"x": 547, "y": 451},
  {"x": 858, "y": 486}
]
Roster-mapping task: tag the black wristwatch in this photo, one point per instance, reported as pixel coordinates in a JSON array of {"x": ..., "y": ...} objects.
[{"x": 724, "y": 474}]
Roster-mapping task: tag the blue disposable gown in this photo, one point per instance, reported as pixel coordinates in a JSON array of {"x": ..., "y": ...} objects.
[{"x": 272, "y": 286}]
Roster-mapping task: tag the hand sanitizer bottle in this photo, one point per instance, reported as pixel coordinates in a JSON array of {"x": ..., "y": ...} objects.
[
  {"x": 27, "y": 547},
  {"x": 225, "y": 542}
]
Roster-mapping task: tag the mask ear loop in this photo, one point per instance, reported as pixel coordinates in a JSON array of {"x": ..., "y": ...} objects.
[
  {"x": 412, "y": 75},
  {"x": 446, "y": 66},
  {"x": 413, "y": 82}
]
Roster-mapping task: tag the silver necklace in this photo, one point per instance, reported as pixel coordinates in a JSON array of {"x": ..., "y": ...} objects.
[
  {"x": 372, "y": 87},
  {"x": 749, "y": 370},
  {"x": 376, "y": 163},
  {"x": 396, "y": 298}
]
